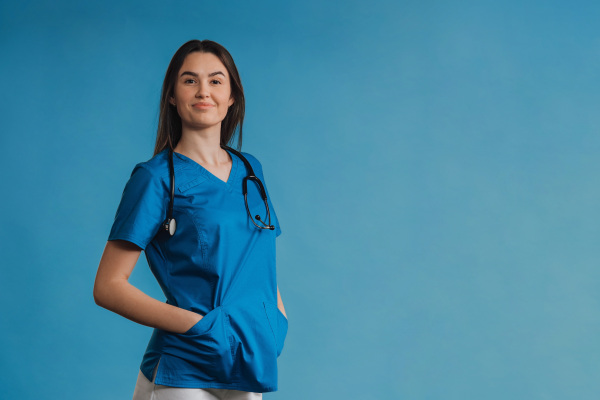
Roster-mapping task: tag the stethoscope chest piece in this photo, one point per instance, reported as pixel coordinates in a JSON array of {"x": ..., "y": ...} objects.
[{"x": 170, "y": 226}]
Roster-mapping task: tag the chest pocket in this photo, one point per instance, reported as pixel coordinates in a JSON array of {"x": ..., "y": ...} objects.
[{"x": 184, "y": 187}]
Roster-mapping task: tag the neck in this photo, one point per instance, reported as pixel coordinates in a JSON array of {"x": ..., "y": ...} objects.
[{"x": 203, "y": 146}]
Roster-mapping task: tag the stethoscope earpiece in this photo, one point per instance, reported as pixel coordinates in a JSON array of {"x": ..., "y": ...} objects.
[{"x": 271, "y": 227}]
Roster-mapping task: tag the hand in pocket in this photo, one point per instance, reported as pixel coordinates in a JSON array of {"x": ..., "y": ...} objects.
[{"x": 198, "y": 319}]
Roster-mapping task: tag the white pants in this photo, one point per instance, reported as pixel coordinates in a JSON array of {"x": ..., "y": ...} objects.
[{"x": 146, "y": 390}]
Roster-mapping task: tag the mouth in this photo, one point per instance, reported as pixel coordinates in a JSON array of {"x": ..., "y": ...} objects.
[{"x": 202, "y": 106}]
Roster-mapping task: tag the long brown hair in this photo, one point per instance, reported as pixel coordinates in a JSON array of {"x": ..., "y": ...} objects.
[{"x": 169, "y": 122}]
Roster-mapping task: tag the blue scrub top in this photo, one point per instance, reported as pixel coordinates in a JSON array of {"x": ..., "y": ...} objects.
[{"x": 217, "y": 264}]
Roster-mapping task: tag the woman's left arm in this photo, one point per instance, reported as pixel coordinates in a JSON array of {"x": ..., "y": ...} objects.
[{"x": 280, "y": 302}]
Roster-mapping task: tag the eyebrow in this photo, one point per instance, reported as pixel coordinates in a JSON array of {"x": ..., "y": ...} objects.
[{"x": 196, "y": 75}]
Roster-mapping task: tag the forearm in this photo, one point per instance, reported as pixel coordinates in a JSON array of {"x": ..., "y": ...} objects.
[
  {"x": 113, "y": 292},
  {"x": 121, "y": 297}
]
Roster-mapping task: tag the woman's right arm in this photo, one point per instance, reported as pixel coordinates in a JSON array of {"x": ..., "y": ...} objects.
[{"x": 113, "y": 291}]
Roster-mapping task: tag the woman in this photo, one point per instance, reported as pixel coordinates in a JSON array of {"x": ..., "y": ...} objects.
[{"x": 210, "y": 246}]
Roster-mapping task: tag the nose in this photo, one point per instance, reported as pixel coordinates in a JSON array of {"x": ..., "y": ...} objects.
[{"x": 202, "y": 90}]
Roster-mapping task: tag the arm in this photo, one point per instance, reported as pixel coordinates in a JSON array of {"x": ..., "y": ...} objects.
[
  {"x": 113, "y": 292},
  {"x": 280, "y": 302}
]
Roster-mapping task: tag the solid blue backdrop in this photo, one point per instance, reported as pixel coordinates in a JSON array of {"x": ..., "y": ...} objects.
[{"x": 434, "y": 166}]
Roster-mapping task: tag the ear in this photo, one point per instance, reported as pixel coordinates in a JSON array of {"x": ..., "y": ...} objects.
[
  {"x": 231, "y": 101},
  {"x": 172, "y": 100}
]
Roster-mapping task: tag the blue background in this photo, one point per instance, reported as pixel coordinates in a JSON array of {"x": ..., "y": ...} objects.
[{"x": 434, "y": 166}]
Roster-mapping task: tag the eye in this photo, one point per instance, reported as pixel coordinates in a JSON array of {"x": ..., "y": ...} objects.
[
  {"x": 189, "y": 81},
  {"x": 216, "y": 81}
]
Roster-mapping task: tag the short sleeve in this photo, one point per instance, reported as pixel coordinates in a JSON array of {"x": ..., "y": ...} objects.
[{"x": 142, "y": 208}]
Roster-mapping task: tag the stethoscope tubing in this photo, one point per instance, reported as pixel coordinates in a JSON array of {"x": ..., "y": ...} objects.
[{"x": 170, "y": 226}]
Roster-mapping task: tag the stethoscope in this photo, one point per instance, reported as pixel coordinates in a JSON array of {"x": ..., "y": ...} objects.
[{"x": 169, "y": 225}]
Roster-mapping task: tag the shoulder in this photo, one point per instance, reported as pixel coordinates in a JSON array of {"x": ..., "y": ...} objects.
[
  {"x": 256, "y": 165},
  {"x": 250, "y": 157},
  {"x": 153, "y": 171},
  {"x": 157, "y": 166}
]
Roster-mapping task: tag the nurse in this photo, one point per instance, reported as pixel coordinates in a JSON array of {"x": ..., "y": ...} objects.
[{"x": 223, "y": 325}]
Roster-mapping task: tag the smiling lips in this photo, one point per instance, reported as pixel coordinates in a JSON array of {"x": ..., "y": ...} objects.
[{"x": 202, "y": 106}]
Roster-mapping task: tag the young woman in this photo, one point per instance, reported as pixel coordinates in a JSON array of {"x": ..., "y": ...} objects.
[{"x": 200, "y": 211}]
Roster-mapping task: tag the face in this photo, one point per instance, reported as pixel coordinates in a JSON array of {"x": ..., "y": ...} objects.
[{"x": 202, "y": 92}]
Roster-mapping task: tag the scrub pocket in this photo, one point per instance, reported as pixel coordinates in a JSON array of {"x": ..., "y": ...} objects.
[
  {"x": 205, "y": 346},
  {"x": 279, "y": 324}
]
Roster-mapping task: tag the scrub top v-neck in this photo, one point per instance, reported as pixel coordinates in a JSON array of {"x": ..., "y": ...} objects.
[
  {"x": 218, "y": 264},
  {"x": 231, "y": 178}
]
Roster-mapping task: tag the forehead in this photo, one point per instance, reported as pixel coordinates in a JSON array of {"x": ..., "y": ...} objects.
[{"x": 202, "y": 63}]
